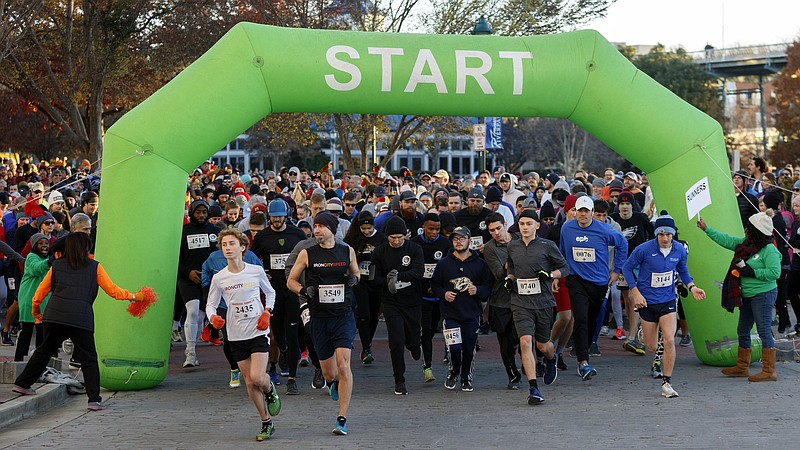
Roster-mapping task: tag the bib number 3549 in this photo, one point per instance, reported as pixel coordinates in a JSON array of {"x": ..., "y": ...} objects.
[{"x": 331, "y": 293}]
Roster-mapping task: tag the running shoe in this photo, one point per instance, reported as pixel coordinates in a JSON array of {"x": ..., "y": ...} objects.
[
  {"x": 341, "y": 426},
  {"x": 466, "y": 386},
  {"x": 450, "y": 381},
  {"x": 235, "y": 383},
  {"x": 273, "y": 401},
  {"x": 95, "y": 406},
  {"x": 513, "y": 382},
  {"x": 686, "y": 341},
  {"x": 333, "y": 390},
  {"x": 206, "y": 336},
  {"x": 14, "y": 331},
  {"x": 304, "y": 361},
  {"x": 291, "y": 387},
  {"x": 366, "y": 357},
  {"x": 428, "y": 374},
  {"x": 620, "y": 334},
  {"x": 594, "y": 350},
  {"x": 319, "y": 381},
  {"x": 191, "y": 361},
  {"x": 176, "y": 335},
  {"x": 6, "y": 339},
  {"x": 667, "y": 391},
  {"x": 634, "y": 347},
  {"x": 560, "y": 362},
  {"x": 267, "y": 430},
  {"x": 535, "y": 397},
  {"x": 604, "y": 331},
  {"x": 586, "y": 372},
  {"x": 23, "y": 391},
  {"x": 400, "y": 388},
  {"x": 550, "y": 371},
  {"x": 446, "y": 358},
  {"x": 655, "y": 370},
  {"x": 283, "y": 363},
  {"x": 216, "y": 341},
  {"x": 273, "y": 376}
]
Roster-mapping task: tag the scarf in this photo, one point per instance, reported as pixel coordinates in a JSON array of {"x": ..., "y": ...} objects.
[{"x": 732, "y": 284}]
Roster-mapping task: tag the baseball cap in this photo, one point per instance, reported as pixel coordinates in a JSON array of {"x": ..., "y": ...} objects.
[
  {"x": 475, "y": 192},
  {"x": 632, "y": 176},
  {"x": 408, "y": 195},
  {"x": 584, "y": 202},
  {"x": 461, "y": 231}
]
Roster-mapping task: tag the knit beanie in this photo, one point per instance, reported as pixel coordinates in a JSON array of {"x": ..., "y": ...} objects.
[
  {"x": 625, "y": 197},
  {"x": 762, "y": 222},
  {"x": 35, "y": 238},
  {"x": 365, "y": 218},
  {"x": 448, "y": 220},
  {"x": 569, "y": 203},
  {"x": 395, "y": 225},
  {"x": 529, "y": 213},
  {"x": 494, "y": 194},
  {"x": 665, "y": 224},
  {"x": 547, "y": 210},
  {"x": 773, "y": 199},
  {"x": 328, "y": 220}
]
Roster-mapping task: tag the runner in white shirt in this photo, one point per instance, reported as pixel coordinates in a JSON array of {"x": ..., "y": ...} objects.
[{"x": 240, "y": 284}]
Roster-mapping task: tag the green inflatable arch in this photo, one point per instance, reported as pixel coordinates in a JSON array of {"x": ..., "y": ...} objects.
[{"x": 256, "y": 70}]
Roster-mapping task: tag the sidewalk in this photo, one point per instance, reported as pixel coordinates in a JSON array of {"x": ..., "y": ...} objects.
[{"x": 620, "y": 408}]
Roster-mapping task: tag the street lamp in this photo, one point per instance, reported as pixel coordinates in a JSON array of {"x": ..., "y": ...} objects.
[
  {"x": 482, "y": 28},
  {"x": 333, "y": 136}
]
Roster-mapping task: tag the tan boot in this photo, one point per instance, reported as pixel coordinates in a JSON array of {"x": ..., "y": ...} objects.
[
  {"x": 767, "y": 367},
  {"x": 742, "y": 367}
]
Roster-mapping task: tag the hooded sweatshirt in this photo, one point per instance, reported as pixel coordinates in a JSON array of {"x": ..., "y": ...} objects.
[{"x": 453, "y": 274}]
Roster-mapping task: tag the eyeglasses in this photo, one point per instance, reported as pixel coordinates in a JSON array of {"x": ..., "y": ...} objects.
[
  {"x": 49, "y": 222},
  {"x": 459, "y": 238}
]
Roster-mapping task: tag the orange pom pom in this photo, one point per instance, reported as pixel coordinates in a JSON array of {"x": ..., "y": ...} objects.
[{"x": 138, "y": 308}]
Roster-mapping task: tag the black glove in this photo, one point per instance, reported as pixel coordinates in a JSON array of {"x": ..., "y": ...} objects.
[
  {"x": 682, "y": 291},
  {"x": 543, "y": 275},
  {"x": 310, "y": 292},
  {"x": 509, "y": 284},
  {"x": 50, "y": 260},
  {"x": 350, "y": 279},
  {"x": 746, "y": 271}
]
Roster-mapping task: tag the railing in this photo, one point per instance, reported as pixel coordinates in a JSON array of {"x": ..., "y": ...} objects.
[{"x": 739, "y": 53}]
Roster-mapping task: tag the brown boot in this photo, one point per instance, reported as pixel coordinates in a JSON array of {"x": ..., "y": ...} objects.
[
  {"x": 767, "y": 366},
  {"x": 742, "y": 367}
]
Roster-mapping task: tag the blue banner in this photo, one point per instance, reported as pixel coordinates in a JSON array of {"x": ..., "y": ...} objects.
[{"x": 494, "y": 133}]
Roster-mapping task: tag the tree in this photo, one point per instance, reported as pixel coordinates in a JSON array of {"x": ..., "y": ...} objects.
[
  {"x": 280, "y": 135},
  {"x": 787, "y": 106},
  {"x": 15, "y": 16}
]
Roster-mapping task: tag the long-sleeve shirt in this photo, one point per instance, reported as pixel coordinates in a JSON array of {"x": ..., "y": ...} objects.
[
  {"x": 524, "y": 262},
  {"x": 586, "y": 250},
  {"x": 656, "y": 278},
  {"x": 409, "y": 262},
  {"x": 216, "y": 262},
  {"x": 453, "y": 274},
  {"x": 242, "y": 292},
  {"x": 496, "y": 255},
  {"x": 766, "y": 264}
]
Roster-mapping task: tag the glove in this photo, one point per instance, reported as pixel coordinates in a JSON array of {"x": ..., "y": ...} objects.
[
  {"x": 311, "y": 292},
  {"x": 509, "y": 284},
  {"x": 543, "y": 275},
  {"x": 682, "y": 291},
  {"x": 391, "y": 281},
  {"x": 217, "y": 321},
  {"x": 305, "y": 316},
  {"x": 747, "y": 271},
  {"x": 138, "y": 297},
  {"x": 350, "y": 279},
  {"x": 50, "y": 260},
  {"x": 263, "y": 320}
]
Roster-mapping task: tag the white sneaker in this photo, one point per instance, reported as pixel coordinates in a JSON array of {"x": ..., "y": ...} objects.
[
  {"x": 176, "y": 335},
  {"x": 604, "y": 331},
  {"x": 667, "y": 391},
  {"x": 191, "y": 361}
]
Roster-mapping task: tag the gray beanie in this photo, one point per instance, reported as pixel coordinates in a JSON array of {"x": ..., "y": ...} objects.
[{"x": 35, "y": 239}]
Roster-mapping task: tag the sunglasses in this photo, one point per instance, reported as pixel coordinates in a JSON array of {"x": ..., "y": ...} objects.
[
  {"x": 292, "y": 174},
  {"x": 49, "y": 222},
  {"x": 349, "y": 205}
]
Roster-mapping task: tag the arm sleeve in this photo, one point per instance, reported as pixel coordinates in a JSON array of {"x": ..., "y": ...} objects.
[
  {"x": 772, "y": 264},
  {"x": 485, "y": 285},
  {"x": 557, "y": 260},
  {"x": 380, "y": 272},
  {"x": 213, "y": 298},
  {"x": 632, "y": 263},
  {"x": 10, "y": 253},
  {"x": 36, "y": 266},
  {"x": 723, "y": 239},
  {"x": 44, "y": 288},
  {"x": 267, "y": 289},
  {"x": 620, "y": 250},
  {"x": 109, "y": 287},
  {"x": 207, "y": 274},
  {"x": 417, "y": 266},
  {"x": 496, "y": 266},
  {"x": 683, "y": 271},
  {"x": 436, "y": 281}
]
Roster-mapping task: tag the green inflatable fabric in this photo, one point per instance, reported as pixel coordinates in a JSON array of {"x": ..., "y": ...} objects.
[{"x": 255, "y": 70}]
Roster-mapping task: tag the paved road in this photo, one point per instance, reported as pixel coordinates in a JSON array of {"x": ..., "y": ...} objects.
[{"x": 620, "y": 408}]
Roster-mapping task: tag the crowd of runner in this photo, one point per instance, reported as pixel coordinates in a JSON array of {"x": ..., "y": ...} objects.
[{"x": 285, "y": 269}]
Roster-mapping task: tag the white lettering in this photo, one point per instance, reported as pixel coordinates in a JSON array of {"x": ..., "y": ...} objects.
[
  {"x": 352, "y": 69},
  {"x": 516, "y": 64},
  {"x": 425, "y": 57},
  {"x": 386, "y": 64},
  {"x": 462, "y": 71}
]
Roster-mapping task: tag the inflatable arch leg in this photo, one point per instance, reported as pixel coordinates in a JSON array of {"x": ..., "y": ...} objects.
[{"x": 255, "y": 70}]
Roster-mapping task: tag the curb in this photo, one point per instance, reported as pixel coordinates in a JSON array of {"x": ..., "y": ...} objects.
[{"x": 25, "y": 406}]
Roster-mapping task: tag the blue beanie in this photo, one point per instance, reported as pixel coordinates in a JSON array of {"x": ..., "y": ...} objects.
[{"x": 665, "y": 224}]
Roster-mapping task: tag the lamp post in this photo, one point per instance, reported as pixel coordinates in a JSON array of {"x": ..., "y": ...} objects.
[
  {"x": 482, "y": 28},
  {"x": 333, "y": 150}
]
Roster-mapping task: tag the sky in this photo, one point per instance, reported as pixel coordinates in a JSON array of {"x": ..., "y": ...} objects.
[{"x": 694, "y": 23}]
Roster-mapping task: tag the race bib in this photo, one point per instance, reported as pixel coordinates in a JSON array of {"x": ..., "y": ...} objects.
[
  {"x": 331, "y": 293},
  {"x": 580, "y": 254},
  {"x": 452, "y": 336},
  {"x": 621, "y": 281},
  {"x": 475, "y": 242},
  {"x": 663, "y": 279},
  {"x": 194, "y": 241},
  {"x": 12, "y": 284},
  {"x": 528, "y": 286},
  {"x": 245, "y": 310},
  {"x": 363, "y": 268},
  {"x": 278, "y": 262},
  {"x": 428, "y": 270}
]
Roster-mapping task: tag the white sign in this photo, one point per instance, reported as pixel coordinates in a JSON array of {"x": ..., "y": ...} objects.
[
  {"x": 479, "y": 137},
  {"x": 697, "y": 197}
]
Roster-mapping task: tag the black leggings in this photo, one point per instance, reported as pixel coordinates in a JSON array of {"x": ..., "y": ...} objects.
[
  {"x": 54, "y": 335},
  {"x": 24, "y": 339},
  {"x": 431, "y": 316},
  {"x": 793, "y": 288},
  {"x": 780, "y": 302},
  {"x": 403, "y": 329},
  {"x": 285, "y": 323},
  {"x": 368, "y": 301}
]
